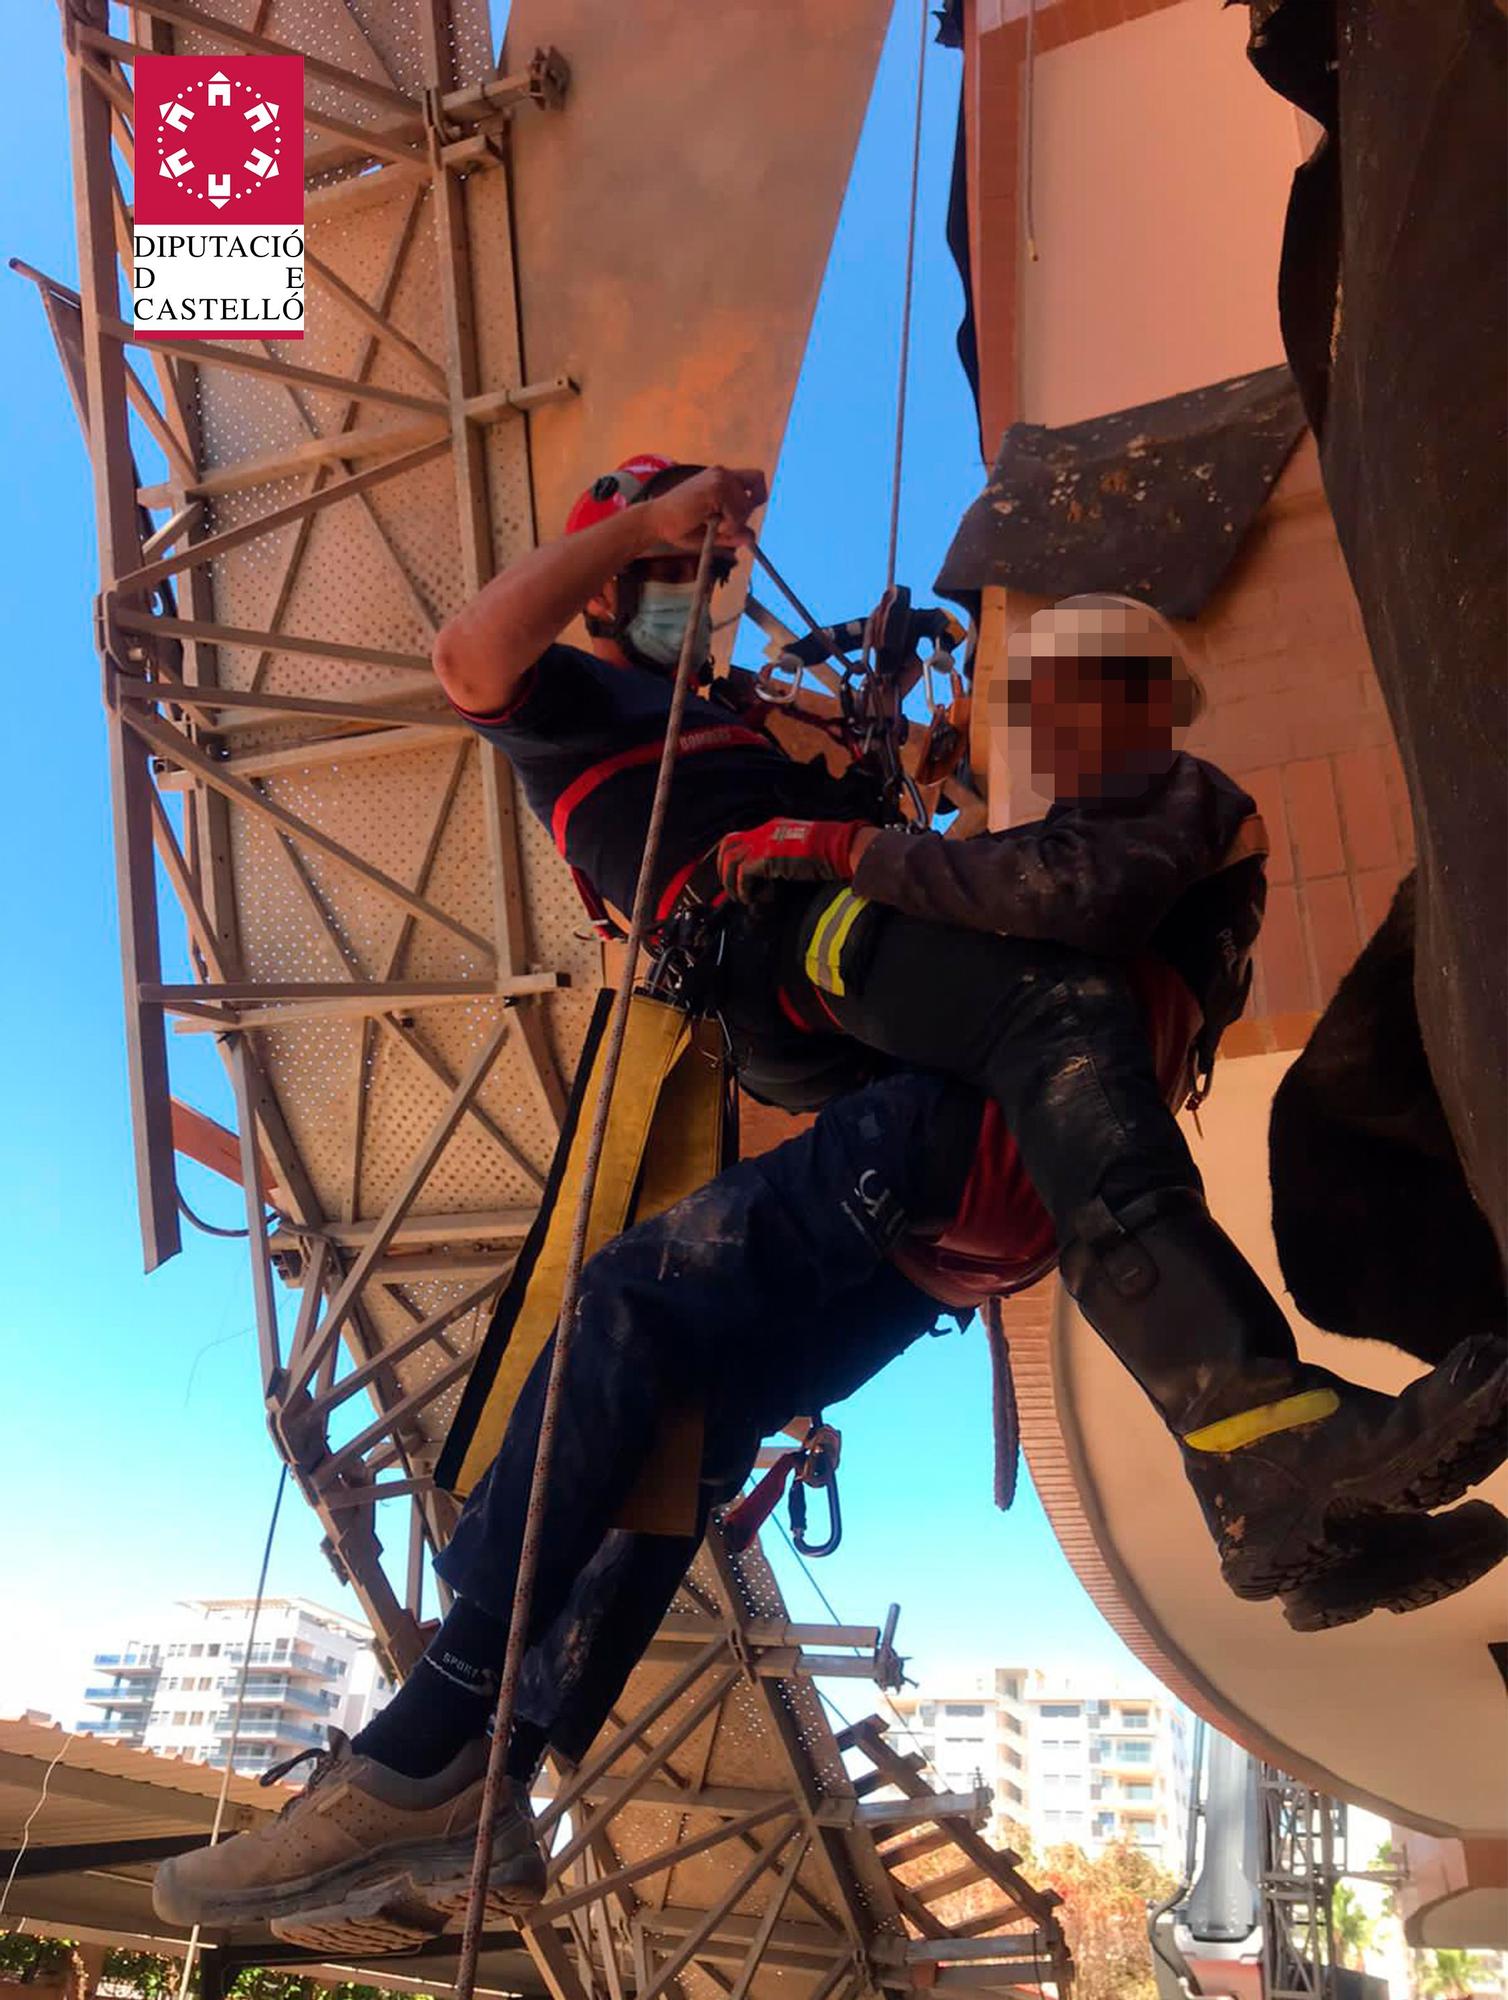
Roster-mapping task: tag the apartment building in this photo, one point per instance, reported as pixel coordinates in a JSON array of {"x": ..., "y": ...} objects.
[
  {"x": 173, "y": 1689},
  {"x": 1086, "y": 1761}
]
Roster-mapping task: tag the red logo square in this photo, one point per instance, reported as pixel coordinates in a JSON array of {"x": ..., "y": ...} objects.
[{"x": 219, "y": 139}]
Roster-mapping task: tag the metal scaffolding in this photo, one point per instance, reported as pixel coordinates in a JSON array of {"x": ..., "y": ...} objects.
[
  {"x": 376, "y": 937},
  {"x": 1303, "y": 1860}
]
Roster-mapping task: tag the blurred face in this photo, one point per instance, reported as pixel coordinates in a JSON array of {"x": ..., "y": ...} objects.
[{"x": 1099, "y": 728}]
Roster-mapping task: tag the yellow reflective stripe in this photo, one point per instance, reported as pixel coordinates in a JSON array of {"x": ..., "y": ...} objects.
[
  {"x": 824, "y": 952},
  {"x": 816, "y": 950},
  {"x": 1311, "y": 1406},
  {"x": 856, "y": 907}
]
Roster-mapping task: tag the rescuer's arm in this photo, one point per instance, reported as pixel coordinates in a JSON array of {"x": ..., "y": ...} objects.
[
  {"x": 1100, "y": 881},
  {"x": 1095, "y": 884},
  {"x": 482, "y": 654}
]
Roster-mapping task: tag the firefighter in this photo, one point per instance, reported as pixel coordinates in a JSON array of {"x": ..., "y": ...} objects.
[{"x": 1059, "y": 954}]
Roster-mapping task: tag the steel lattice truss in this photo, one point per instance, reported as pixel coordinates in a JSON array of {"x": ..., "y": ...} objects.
[
  {"x": 390, "y": 958},
  {"x": 1303, "y": 1859},
  {"x": 379, "y": 938}
]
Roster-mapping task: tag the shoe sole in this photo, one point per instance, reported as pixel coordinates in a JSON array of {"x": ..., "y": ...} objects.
[
  {"x": 1371, "y": 1580},
  {"x": 409, "y": 1909},
  {"x": 373, "y": 1882},
  {"x": 1430, "y": 1476},
  {"x": 1414, "y": 1483}
]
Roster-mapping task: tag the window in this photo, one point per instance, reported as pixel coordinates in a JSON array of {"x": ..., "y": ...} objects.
[
  {"x": 212, "y": 1652},
  {"x": 179, "y": 1719},
  {"x": 928, "y": 1713},
  {"x": 1140, "y": 1791},
  {"x": 1053, "y": 1818},
  {"x": 957, "y": 1711},
  {"x": 1052, "y": 1778},
  {"x": 196, "y": 1652},
  {"x": 1136, "y": 1718},
  {"x": 1134, "y": 1753},
  {"x": 1061, "y": 1711},
  {"x": 196, "y": 1720}
]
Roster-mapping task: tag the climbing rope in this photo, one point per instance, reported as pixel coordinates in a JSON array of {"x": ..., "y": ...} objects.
[
  {"x": 905, "y": 363},
  {"x": 192, "y": 1950},
  {"x": 528, "y": 1561}
]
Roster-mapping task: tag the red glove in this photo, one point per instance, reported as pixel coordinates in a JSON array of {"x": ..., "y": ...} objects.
[{"x": 786, "y": 850}]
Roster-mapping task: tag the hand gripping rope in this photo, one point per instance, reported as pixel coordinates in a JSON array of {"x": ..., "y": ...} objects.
[{"x": 528, "y": 1563}]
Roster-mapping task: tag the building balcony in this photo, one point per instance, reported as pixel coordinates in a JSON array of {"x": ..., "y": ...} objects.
[
  {"x": 277, "y": 1729},
  {"x": 131, "y": 1728},
  {"x": 316, "y": 1701},
  {"x": 1123, "y": 1757},
  {"x": 129, "y": 1663},
  {"x": 120, "y": 1697}
]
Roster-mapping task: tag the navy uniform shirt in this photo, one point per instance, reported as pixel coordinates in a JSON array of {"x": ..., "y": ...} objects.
[{"x": 584, "y": 737}]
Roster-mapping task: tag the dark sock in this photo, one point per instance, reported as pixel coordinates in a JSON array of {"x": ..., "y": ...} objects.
[{"x": 446, "y": 1701}]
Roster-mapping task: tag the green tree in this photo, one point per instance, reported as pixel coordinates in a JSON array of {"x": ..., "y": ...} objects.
[
  {"x": 26, "y": 1958},
  {"x": 1353, "y": 1927},
  {"x": 1451, "y": 1975}
]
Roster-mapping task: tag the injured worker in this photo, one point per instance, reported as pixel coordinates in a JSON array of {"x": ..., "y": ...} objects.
[{"x": 999, "y": 1032}]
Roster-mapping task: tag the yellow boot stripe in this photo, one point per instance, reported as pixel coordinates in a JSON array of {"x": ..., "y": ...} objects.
[{"x": 1311, "y": 1406}]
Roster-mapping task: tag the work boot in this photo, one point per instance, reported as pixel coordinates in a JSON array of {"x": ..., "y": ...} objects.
[
  {"x": 358, "y": 1832},
  {"x": 1401, "y": 1562},
  {"x": 1281, "y": 1454}
]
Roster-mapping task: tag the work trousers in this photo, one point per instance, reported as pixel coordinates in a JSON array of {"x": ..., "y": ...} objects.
[
  {"x": 769, "y": 1290},
  {"x": 1054, "y": 1035},
  {"x": 765, "y": 1293}
]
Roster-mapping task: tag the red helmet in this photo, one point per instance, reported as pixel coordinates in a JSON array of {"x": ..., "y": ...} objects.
[{"x": 618, "y": 489}]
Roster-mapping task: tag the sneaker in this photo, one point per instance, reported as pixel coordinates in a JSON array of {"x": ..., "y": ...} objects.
[
  {"x": 357, "y": 1833},
  {"x": 1401, "y": 1562}
]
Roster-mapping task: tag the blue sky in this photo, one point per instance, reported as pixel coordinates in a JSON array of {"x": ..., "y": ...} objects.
[{"x": 136, "y": 1467}]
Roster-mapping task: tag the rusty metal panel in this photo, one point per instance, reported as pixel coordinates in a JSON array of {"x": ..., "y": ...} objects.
[{"x": 673, "y": 222}]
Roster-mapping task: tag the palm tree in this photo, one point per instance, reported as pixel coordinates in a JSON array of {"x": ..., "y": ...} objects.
[
  {"x": 1446, "y": 1975},
  {"x": 1352, "y": 1926}
]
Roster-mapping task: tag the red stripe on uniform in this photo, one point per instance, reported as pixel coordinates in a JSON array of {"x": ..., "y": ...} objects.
[
  {"x": 673, "y": 888},
  {"x": 728, "y": 737}
]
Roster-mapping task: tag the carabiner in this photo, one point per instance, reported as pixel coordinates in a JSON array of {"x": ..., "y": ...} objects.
[
  {"x": 780, "y": 694},
  {"x": 818, "y": 1466}
]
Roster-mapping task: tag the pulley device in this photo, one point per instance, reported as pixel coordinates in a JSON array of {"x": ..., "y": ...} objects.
[{"x": 898, "y": 645}]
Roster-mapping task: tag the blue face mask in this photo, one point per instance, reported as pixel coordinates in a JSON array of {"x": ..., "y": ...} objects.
[{"x": 659, "y": 624}]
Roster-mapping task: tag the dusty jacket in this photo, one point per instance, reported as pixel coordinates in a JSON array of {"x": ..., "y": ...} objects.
[{"x": 1114, "y": 877}]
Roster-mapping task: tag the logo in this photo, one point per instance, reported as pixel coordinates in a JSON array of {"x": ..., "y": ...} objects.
[{"x": 218, "y": 247}]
